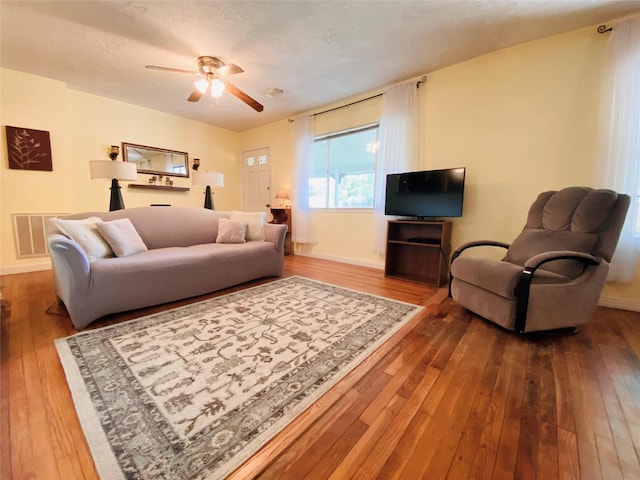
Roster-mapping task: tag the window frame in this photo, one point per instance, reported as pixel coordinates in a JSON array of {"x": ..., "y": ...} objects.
[{"x": 343, "y": 133}]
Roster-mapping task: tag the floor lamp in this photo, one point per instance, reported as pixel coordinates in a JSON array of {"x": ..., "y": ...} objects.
[
  {"x": 115, "y": 170},
  {"x": 210, "y": 180}
]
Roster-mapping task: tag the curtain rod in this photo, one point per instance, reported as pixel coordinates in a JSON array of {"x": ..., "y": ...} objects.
[
  {"x": 348, "y": 104},
  {"x": 423, "y": 79}
]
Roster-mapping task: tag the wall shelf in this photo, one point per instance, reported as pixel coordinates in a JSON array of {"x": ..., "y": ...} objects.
[{"x": 169, "y": 188}]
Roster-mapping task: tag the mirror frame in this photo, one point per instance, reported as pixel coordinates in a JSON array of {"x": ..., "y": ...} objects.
[{"x": 185, "y": 155}]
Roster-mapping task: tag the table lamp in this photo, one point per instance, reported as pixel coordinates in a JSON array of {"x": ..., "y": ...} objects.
[
  {"x": 282, "y": 199},
  {"x": 115, "y": 170},
  {"x": 210, "y": 180}
]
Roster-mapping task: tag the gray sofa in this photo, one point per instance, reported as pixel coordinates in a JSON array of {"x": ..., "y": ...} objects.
[{"x": 183, "y": 260}]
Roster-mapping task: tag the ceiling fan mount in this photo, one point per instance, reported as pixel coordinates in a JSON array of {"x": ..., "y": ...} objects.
[
  {"x": 207, "y": 65},
  {"x": 213, "y": 70}
]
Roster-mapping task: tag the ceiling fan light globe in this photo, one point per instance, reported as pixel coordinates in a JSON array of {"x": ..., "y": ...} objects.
[
  {"x": 217, "y": 87},
  {"x": 201, "y": 85}
]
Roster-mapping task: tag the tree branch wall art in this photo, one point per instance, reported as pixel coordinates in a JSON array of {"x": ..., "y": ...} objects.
[{"x": 29, "y": 149}]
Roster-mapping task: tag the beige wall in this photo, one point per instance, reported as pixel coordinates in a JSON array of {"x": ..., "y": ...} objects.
[
  {"x": 81, "y": 127},
  {"x": 522, "y": 120}
]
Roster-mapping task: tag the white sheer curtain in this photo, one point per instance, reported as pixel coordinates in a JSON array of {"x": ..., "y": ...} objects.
[
  {"x": 619, "y": 168},
  {"x": 303, "y": 217},
  {"x": 399, "y": 148}
]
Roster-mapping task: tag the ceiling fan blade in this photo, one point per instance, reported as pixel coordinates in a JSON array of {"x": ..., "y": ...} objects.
[
  {"x": 195, "y": 95},
  {"x": 236, "y": 92},
  {"x": 229, "y": 69},
  {"x": 167, "y": 69}
]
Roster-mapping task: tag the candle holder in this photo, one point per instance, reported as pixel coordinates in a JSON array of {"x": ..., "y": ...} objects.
[{"x": 114, "y": 152}]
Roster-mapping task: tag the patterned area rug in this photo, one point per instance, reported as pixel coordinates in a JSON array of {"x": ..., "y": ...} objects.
[{"x": 192, "y": 392}]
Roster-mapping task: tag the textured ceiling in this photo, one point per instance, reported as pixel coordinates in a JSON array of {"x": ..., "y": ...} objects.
[{"x": 319, "y": 52}]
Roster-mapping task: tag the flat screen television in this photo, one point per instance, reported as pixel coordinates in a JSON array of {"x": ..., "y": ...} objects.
[{"x": 428, "y": 194}]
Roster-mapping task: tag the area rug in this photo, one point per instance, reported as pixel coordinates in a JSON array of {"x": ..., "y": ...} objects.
[{"x": 192, "y": 392}]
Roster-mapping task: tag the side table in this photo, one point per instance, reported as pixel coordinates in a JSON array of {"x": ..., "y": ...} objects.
[{"x": 282, "y": 216}]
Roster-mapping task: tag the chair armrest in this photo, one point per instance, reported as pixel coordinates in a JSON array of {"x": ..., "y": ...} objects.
[
  {"x": 474, "y": 243},
  {"x": 477, "y": 243},
  {"x": 523, "y": 286},
  {"x": 534, "y": 262}
]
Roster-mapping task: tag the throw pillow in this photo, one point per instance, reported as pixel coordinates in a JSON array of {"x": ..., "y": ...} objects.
[
  {"x": 255, "y": 223},
  {"x": 122, "y": 237},
  {"x": 85, "y": 233},
  {"x": 231, "y": 231}
]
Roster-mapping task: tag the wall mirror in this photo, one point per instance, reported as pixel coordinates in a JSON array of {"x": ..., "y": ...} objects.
[{"x": 157, "y": 161}]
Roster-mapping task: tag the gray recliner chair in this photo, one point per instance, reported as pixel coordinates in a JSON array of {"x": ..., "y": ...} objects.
[{"x": 553, "y": 273}]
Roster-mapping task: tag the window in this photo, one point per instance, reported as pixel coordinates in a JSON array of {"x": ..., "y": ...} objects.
[{"x": 342, "y": 173}]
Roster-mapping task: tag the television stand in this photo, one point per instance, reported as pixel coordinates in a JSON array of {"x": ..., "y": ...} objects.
[{"x": 418, "y": 251}]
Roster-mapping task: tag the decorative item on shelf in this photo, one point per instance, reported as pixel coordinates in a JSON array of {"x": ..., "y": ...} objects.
[
  {"x": 152, "y": 180},
  {"x": 210, "y": 180},
  {"x": 168, "y": 181},
  {"x": 114, "y": 151},
  {"x": 196, "y": 164},
  {"x": 114, "y": 170}
]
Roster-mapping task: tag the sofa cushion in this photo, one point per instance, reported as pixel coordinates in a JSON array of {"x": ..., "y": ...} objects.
[
  {"x": 231, "y": 231},
  {"x": 122, "y": 237},
  {"x": 255, "y": 223},
  {"x": 85, "y": 233}
]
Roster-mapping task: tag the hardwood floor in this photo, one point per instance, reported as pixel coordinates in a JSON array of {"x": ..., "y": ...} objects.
[{"x": 452, "y": 396}]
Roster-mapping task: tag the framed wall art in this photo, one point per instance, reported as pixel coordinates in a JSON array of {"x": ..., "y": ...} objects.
[{"x": 28, "y": 149}]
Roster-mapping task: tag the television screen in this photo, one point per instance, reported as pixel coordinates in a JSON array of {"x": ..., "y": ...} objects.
[{"x": 426, "y": 194}]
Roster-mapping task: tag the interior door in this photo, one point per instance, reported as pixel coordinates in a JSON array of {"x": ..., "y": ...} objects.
[{"x": 256, "y": 181}]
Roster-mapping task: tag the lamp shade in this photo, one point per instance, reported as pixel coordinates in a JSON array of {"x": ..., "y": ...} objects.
[
  {"x": 211, "y": 179},
  {"x": 282, "y": 194},
  {"x": 113, "y": 169},
  {"x": 282, "y": 199}
]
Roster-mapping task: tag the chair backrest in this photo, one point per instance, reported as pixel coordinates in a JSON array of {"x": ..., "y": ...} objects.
[{"x": 580, "y": 219}]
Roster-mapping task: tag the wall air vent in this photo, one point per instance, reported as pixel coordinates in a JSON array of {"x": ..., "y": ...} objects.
[{"x": 29, "y": 230}]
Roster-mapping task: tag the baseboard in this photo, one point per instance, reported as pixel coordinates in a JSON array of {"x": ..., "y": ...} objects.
[
  {"x": 621, "y": 303},
  {"x": 350, "y": 261},
  {"x": 24, "y": 268}
]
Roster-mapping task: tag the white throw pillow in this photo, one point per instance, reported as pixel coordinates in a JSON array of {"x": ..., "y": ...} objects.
[
  {"x": 85, "y": 233},
  {"x": 255, "y": 223},
  {"x": 231, "y": 231},
  {"x": 122, "y": 236}
]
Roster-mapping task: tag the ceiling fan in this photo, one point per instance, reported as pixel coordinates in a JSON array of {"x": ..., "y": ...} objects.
[{"x": 213, "y": 71}]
